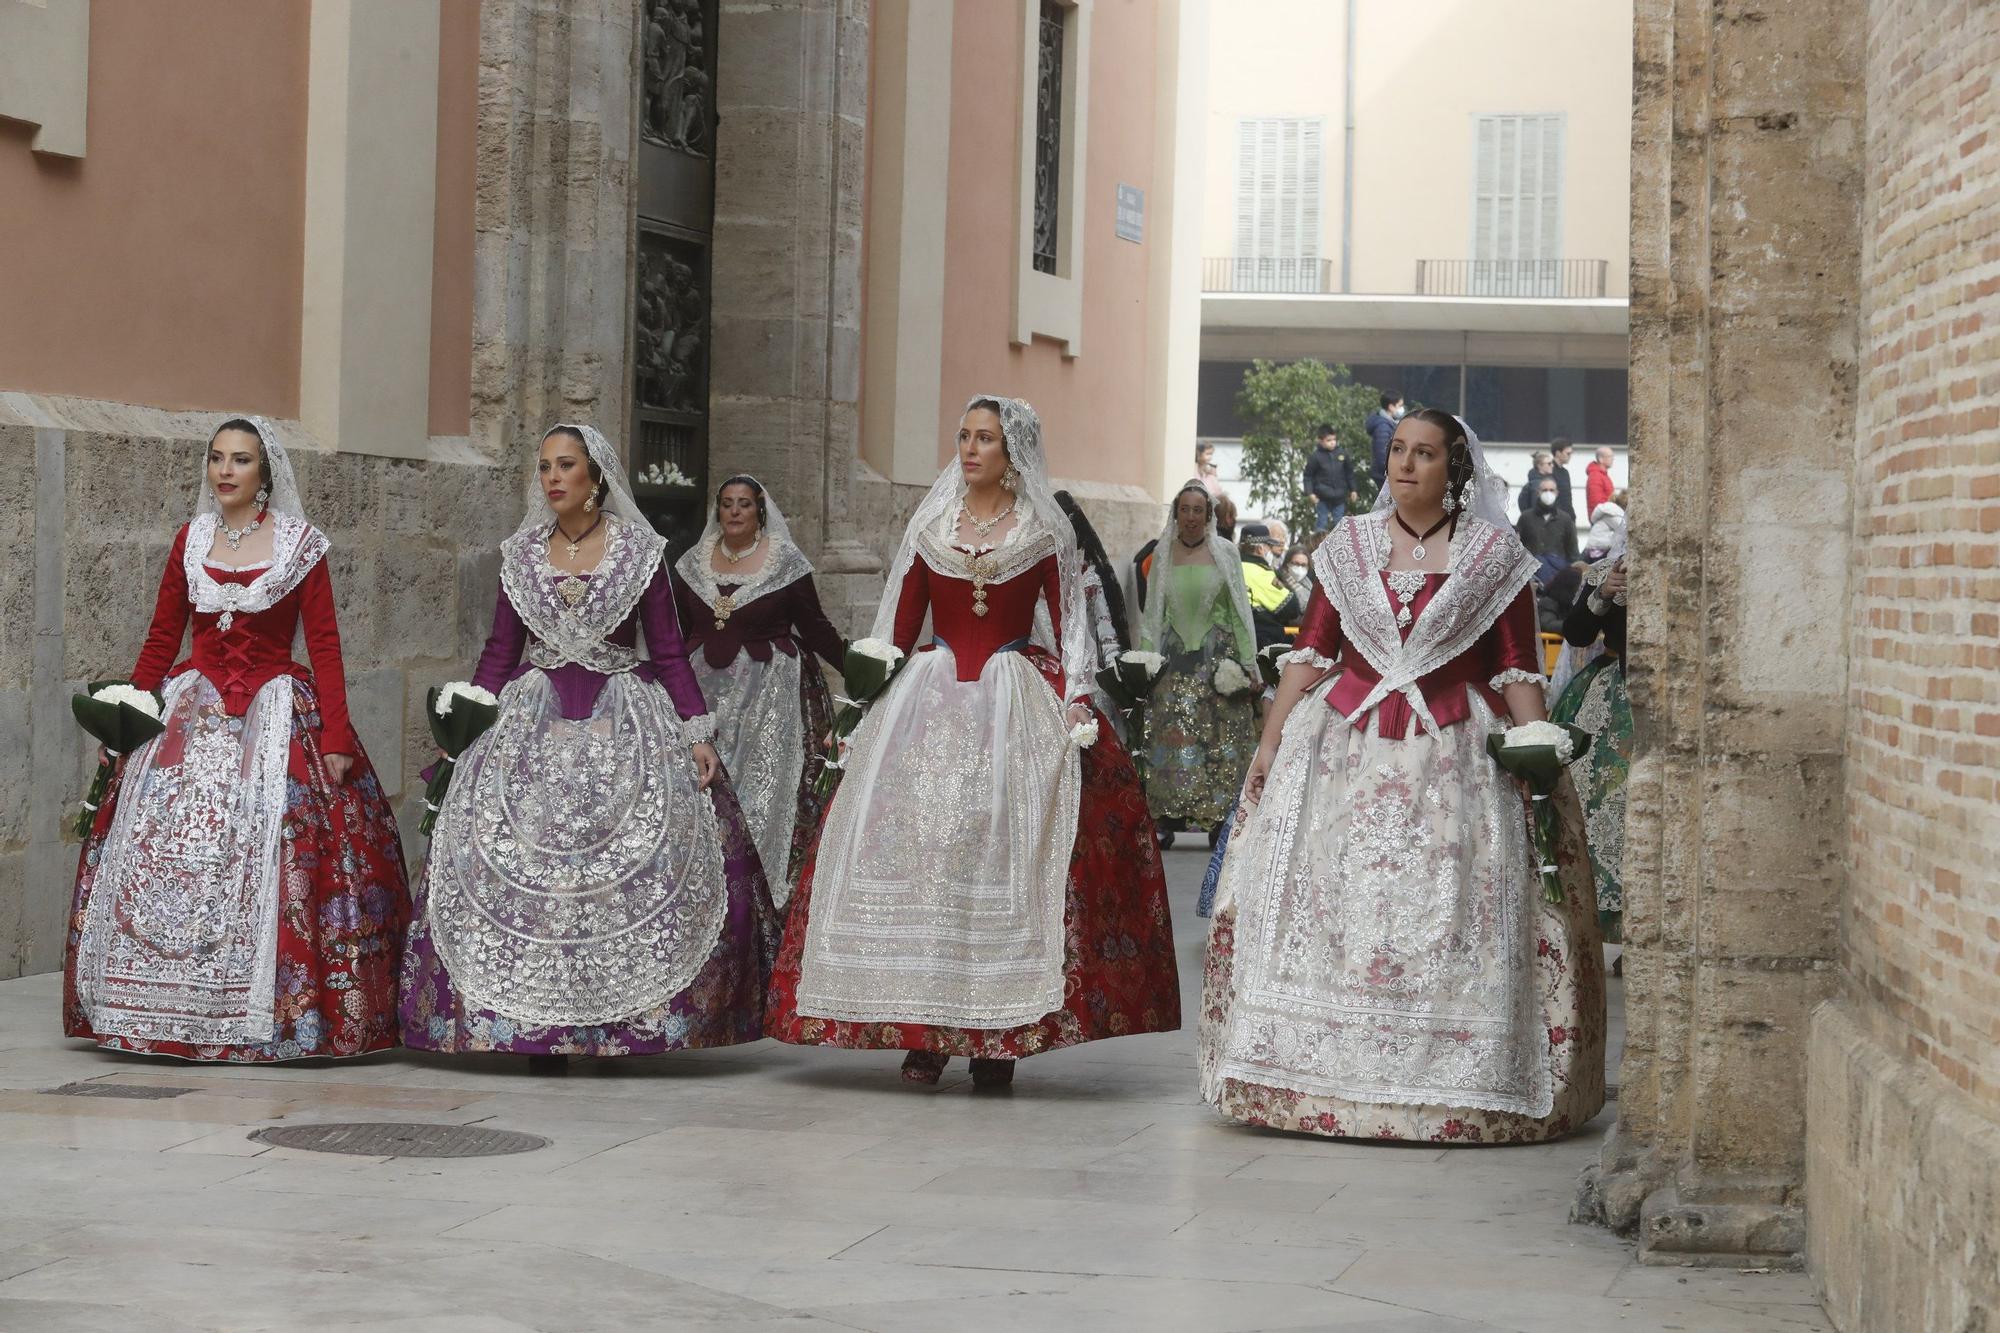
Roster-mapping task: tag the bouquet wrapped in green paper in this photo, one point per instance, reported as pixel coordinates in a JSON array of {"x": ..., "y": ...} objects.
[
  {"x": 866, "y": 671},
  {"x": 1129, "y": 680},
  {"x": 459, "y": 714},
  {"x": 1537, "y": 753},
  {"x": 121, "y": 717}
]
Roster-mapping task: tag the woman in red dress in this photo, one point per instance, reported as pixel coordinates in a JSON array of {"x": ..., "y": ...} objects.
[
  {"x": 986, "y": 882},
  {"x": 241, "y": 896}
]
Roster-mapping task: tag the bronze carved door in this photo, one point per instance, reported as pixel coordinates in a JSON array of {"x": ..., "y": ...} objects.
[{"x": 676, "y": 188}]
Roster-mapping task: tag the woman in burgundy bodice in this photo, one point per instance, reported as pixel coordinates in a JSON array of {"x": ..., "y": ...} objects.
[
  {"x": 986, "y": 881},
  {"x": 755, "y": 630},
  {"x": 241, "y": 895},
  {"x": 1383, "y": 962},
  {"x": 591, "y": 887}
]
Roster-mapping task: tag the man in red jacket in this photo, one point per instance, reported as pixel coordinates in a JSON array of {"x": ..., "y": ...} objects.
[{"x": 1597, "y": 484}]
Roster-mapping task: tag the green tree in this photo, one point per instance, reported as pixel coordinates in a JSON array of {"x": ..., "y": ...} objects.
[{"x": 1284, "y": 405}]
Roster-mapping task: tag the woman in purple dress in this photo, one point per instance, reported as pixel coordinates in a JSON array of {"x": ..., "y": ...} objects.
[
  {"x": 753, "y": 623},
  {"x": 592, "y": 888}
]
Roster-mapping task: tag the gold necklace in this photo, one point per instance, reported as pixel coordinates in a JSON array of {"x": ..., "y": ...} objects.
[{"x": 985, "y": 527}]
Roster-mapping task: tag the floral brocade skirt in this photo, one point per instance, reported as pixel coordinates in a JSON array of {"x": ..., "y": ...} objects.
[
  {"x": 1197, "y": 744},
  {"x": 1595, "y": 701},
  {"x": 338, "y": 895},
  {"x": 1118, "y": 968},
  {"x": 1383, "y": 961}
]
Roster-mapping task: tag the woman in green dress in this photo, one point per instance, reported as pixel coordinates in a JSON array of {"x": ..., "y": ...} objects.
[
  {"x": 1200, "y": 723},
  {"x": 1595, "y": 700}
]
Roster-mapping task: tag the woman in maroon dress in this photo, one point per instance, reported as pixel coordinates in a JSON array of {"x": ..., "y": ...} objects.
[
  {"x": 241, "y": 895},
  {"x": 753, "y": 624},
  {"x": 986, "y": 882}
]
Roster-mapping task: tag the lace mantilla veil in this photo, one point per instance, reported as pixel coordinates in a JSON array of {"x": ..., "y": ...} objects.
[
  {"x": 296, "y": 545},
  {"x": 1228, "y": 561},
  {"x": 284, "y": 498},
  {"x": 784, "y": 563},
  {"x": 1484, "y": 495},
  {"x": 617, "y": 501},
  {"x": 938, "y": 512}
]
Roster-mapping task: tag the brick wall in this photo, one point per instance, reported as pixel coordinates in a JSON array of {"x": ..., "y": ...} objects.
[
  {"x": 1903, "y": 1105},
  {"x": 1922, "y": 928}
]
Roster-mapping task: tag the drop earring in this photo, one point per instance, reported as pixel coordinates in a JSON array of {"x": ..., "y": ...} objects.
[
  {"x": 589, "y": 504},
  {"x": 263, "y": 496},
  {"x": 1011, "y": 480}
]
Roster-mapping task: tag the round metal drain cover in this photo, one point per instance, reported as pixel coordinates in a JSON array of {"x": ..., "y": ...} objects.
[{"x": 401, "y": 1140}]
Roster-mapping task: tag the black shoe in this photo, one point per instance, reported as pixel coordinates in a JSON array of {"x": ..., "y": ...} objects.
[
  {"x": 548, "y": 1066},
  {"x": 1166, "y": 838}
]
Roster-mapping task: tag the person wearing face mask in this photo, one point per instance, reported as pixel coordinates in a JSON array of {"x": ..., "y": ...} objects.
[
  {"x": 1296, "y": 571},
  {"x": 1384, "y": 963},
  {"x": 1548, "y": 531}
]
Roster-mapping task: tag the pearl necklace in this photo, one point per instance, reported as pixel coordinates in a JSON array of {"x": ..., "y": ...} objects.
[{"x": 733, "y": 556}]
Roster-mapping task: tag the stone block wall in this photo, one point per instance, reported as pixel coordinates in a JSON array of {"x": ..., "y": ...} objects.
[
  {"x": 1904, "y": 1147},
  {"x": 1745, "y": 253},
  {"x": 94, "y": 493}
]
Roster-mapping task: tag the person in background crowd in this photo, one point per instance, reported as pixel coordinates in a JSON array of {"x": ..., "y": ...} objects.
[
  {"x": 1329, "y": 480},
  {"x": 1280, "y": 534},
  {"x": 1225, "y": 518},
  {"x": 1206, "y": 469},
  {"x": 1547, "y": 531},
  {"x": 1296, "y": 571},
  {"x": 1607, "y": 529},
  {"x": 1273, "y": 606},
  {"x": 1381, "y": 425},
  {"x": 1199, "y": 723},
  {"x": 1595, "y": 700},
  {"x": 1560, "y": 450},
  {"x": 1544, "y": 466},
  {"x": 1597, "y": 483},
  {"x": 1552, "y": 603}
]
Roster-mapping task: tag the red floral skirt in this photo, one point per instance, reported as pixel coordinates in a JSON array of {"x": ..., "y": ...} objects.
[
  {"x": 1119, "y": 973},
  {"x": 342, "y": 908}
]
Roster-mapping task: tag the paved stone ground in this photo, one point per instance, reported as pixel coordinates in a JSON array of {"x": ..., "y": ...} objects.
[{"x": 804, "y": 1189}]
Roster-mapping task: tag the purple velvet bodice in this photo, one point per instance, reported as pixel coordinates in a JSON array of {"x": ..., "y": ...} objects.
[{"x": 577, "y": 687}]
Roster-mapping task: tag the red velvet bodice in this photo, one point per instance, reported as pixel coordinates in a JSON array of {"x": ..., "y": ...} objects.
[
  {"x": 1512, "y": 643},
  {"x": 1009, "y": 618},
  {"x": 256, "y": 648}
]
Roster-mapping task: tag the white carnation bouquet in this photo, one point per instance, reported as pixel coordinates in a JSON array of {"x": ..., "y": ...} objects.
[
  {"x": 459, "y": 714},
  {"x": 121, "y": 717},
  {"x": 1231, "y": 680},
  {"x": 1537, "y": 753}
]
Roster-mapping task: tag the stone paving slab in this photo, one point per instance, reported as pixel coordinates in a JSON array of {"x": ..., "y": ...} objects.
[{"x": 765, "y": 1188}]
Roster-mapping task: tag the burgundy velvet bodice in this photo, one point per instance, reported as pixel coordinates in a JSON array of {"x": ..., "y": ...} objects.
[
  {"x": 1009, "y": 618},
  {"x": 256, "y": 648},
  {"x": 1512, "y": 643},
  {"x": 577, "y": 687},
  {"x": 782, "y": 621}
]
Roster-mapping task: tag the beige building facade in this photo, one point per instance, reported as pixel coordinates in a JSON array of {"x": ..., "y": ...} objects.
[
  {"x": 783, "y": 238},
  {"x": 1432, "y": 194}
]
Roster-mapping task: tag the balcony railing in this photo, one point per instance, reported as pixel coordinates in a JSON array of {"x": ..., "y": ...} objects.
[
  {"x": 1267, "y": 275},
  {"x": 1549, "y": 279},
  {"x": 1544, "y": 279}
]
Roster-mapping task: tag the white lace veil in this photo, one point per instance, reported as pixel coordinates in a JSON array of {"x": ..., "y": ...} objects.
[
  {"x": 1228, "y": 561},
  {"x": 618, "y": 499},
  {"x": 938, "y": 511},
  {"x": 784, "y": 563},
  {"x": 284, "y": 497},
  {"x": 1483, "y": 495}
]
